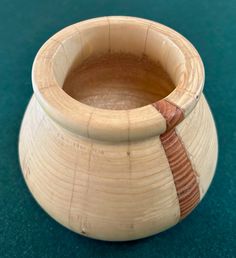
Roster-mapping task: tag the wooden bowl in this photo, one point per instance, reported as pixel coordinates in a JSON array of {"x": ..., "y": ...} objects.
[{"x": 118, "y": 142}]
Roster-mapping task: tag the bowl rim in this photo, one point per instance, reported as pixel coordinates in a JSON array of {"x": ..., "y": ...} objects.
[{"x": 105, "y": 124}]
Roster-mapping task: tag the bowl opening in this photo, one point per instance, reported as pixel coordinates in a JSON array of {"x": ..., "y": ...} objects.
[
  {"x": 118, "y": 65},
  {"x": 121, "y": 63}
]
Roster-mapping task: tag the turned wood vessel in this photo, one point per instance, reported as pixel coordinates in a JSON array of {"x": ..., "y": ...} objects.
[{"x": 118, "y": 141}]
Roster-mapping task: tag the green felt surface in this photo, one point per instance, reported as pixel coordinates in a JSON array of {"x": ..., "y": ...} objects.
[{"x": 25, "y": 229}]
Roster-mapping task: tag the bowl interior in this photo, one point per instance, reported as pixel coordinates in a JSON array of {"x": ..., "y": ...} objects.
[
  {"x": 118, "y": 81},
  {"x": 120, "y": 65}
]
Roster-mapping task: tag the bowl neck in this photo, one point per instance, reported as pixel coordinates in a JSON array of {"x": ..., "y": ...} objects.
[{"x": 176, "y": 54}]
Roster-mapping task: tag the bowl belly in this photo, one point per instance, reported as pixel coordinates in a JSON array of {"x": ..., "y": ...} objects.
[{"x": 111, "y": 191}]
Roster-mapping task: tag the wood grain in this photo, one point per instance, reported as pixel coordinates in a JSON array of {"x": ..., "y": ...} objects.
[
  {"x": 118, "y": 81},
  {"x": 109, "y": 174},
  {"x": 183, "y": 173}
]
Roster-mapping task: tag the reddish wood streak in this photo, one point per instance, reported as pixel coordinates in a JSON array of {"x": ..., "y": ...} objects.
[
  {"x": 171, "y": 113},
  {"x": 183, "y": 173}
]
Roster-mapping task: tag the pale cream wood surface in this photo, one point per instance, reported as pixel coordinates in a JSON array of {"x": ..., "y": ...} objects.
[
  {"x": 153, "y": 39},
  {"x": 198, "y": 134},
  {"x": 98, "y": 188},
  {"x": 112, "y": 192},
  {"x": 104, "y": 173}
]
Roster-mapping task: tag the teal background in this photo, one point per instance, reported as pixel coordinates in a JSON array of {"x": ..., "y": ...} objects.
[{"x": 25, "y": 229}]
